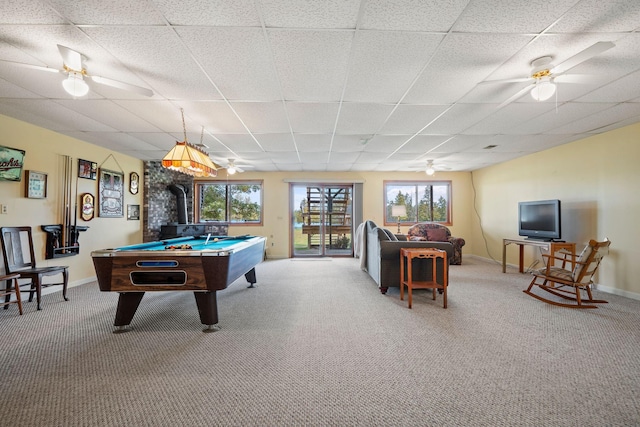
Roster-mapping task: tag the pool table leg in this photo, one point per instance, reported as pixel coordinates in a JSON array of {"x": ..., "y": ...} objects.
[
  {"x": 251, "y": 277},
  {"x": 128, "y": 303},
  {"x": 208, "y": 309}
]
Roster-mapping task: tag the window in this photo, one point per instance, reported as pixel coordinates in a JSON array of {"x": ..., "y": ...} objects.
[
  {"x": 424, "y": 201},
  {"x": 237, "y": 202}
]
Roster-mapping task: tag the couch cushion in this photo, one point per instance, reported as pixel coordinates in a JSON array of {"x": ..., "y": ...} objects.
[
  {"x": 437, "y": 235},
  {"x": 382, "y": 235},
  {"x": 391, "y": 236}
]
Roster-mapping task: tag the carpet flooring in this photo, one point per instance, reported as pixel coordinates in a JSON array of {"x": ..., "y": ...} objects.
[{"x": 316, "y": 344}]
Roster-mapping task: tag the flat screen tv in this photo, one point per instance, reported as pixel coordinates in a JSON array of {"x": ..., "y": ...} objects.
[{"x": 539, "y": 219}]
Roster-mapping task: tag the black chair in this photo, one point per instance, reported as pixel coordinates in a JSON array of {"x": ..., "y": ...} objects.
[
  {"x": 18, "y": 260},
  {"x": 11, "y": 289}
]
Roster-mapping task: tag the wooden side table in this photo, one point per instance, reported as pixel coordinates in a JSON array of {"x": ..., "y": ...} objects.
[{"x": 433, "y": 254}]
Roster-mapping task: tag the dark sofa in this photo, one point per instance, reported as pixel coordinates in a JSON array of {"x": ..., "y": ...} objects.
[{"x": 380, "y": 252}]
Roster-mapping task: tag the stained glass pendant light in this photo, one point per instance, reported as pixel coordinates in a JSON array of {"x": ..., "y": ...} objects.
[{"x": 189, "y": 159}]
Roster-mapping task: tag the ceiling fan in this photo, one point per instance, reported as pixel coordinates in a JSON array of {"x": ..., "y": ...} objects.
[
  {"x": 73, "y": 67},
  {"x": 544, "y": 74},
  {"x": 431, "y": 167},
  {"x": 232, "y": 167}
]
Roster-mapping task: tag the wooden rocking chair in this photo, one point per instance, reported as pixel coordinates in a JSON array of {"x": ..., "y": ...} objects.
[{"x": 566, "y": 283}]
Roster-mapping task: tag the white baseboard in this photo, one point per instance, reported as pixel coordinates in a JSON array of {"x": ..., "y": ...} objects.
[
  {"x": 615, "y": 291},
  {"x": 602, "y": 288},
  {"x": 50, "y": 290}
]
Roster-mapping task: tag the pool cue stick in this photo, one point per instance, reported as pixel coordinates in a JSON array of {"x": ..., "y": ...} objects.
[
  {"x": 207, "y": 241},
  {"x": 75, "y": 213},
  {"x": 63, "y": 237}
]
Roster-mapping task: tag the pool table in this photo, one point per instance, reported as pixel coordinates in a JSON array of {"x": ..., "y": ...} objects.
[{"x": 203, "y": 265}]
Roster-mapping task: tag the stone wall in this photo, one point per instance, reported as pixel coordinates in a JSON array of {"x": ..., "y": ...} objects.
[{"x": 160, "y": 207}]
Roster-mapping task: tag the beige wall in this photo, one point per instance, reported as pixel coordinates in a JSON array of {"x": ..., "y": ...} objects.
[
  {"x": 277, "y": 222},
  {"x": 44, "y": 153},
  {"x": 596, "y": 180}
]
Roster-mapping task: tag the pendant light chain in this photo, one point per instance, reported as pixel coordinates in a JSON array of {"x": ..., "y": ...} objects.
[{"x": 184, "y": 126}]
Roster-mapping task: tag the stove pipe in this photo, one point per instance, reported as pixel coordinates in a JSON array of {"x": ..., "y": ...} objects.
[{"x": 181, "y": 199}]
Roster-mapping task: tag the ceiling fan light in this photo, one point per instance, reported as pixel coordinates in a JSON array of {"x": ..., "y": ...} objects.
[
  {"x": 75, "y": 85},
  {"x": 231, "y": 170},
  {"x": 543, "y": 90},
  {"x": 430, "y": 170}
]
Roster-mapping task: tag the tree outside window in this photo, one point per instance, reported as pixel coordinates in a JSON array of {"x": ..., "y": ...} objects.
[
  {"x": 424, "y": 201},
  {"x": 234, "y": 203}
]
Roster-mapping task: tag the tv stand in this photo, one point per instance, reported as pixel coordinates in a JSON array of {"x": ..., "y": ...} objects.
[{"x": 549, "y": 246}]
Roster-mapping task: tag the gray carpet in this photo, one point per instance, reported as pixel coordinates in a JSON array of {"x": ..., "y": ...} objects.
[{"x": 317, "y": 344}]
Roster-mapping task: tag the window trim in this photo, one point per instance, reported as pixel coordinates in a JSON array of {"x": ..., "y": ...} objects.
[
  {"x": 227, "y": 183},
  {"x": 448, "y": 183}
]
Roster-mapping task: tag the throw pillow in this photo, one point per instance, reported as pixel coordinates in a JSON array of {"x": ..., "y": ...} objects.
[{"x": 437, "y": 235}]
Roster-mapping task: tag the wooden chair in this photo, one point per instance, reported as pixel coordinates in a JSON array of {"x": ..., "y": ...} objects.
[
  {"x": 11, "y": 289},
  {"x": 18, "y": 260},
  {"x": 567, "y": 283}
]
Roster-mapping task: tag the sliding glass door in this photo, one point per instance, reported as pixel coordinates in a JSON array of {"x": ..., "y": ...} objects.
[{"x": 322, "y": 219}]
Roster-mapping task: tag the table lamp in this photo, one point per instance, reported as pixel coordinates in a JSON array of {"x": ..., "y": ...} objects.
[{"x": 399, "y": 211}]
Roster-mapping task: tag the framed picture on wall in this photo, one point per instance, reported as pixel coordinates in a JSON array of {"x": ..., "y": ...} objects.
[
  {"x": 133, "y": 212},
  {"x": 134, "y": 183},
  {"x": 110, "y": 194},
  {"x": 87, "y": 169},
  {"x": 87, "y": 207},
  {"x": 36, "y": 185},
  {"x": 11, "y": 162}
]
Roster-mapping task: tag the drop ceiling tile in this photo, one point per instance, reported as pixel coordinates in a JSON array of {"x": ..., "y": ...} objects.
[
  {"x": 625, "y": 88},
  {"x": 344, "y": 157},
  {"x": 237, "y": 13},
  {"x": 29, "y": 12},
  {"x": 567, "y": 113},
  {"x": 594, "y": 122},
  {"x": 237, "y": 60},
  {"x": 289, "y": 167},
  {"x": 110, "y": 114},
  {"x": 362, "y": 118},
  {"x": 163, "y": 141},
  {"x": 311, "y": 143},
  {"x": 262, "y": 117},
  {"x": 312, "y": 117},
  {"x": 421, "y": 143},
  {"x": 460, "y": 62},
  {"x": 287, "y": 157},
  {"x": 54, "y": 116},
  {"x": 600, "y": 17},
  {"x": 372, "y": 157},
  {"x": 410, "y": 119},
  {"x": 459, "y": 118},
  {"x": 238, "y": 143},
  {"x": 507, "y": 16},
  {"x": 385, "y": 64},
  {"x": 509, "y": 118},
  {"x": 349, "y": 143},
  {"x": 314, "y": 157},
  {"x": 178, "y": 78},
  {"x": 311, "y": 65},
  {"x": 411, "y": 15},
  {"x": 274, "y": 142},
  {"x": 385, "y": 143},
  {"x": 341, "y": 14},
  {"x": 98, "y": 12}
]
